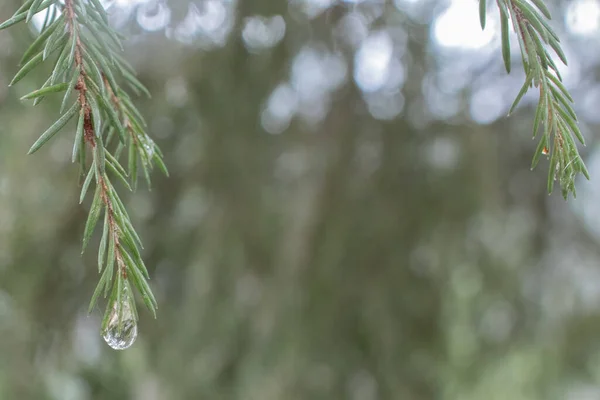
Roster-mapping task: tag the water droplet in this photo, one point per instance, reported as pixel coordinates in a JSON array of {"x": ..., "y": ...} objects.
[
  {"x": 148, "y": 146},
  {"x": 121, "y": 336}
]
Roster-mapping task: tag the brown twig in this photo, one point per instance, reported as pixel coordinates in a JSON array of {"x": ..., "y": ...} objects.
[{"x": 89, "y": 135}]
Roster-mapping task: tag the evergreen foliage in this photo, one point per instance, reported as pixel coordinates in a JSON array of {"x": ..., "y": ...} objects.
[
  {"x": 88, "y": 69},
  {"x": 554, "y": 116}
]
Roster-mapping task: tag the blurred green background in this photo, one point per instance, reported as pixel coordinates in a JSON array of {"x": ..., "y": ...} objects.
[{"x": 350, "y": 214}]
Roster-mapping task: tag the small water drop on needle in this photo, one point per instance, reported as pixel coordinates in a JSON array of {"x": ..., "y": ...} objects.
[
  {"x": 121, "y": 330},
  {"x": 149, "y": 147}
]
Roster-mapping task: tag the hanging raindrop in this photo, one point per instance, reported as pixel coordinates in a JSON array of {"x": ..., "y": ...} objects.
[{"x": 121, "y": 330}]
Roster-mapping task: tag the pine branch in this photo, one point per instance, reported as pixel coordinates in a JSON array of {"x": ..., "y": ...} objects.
[
  {"x": 88, "y": 68},
  {"x": 554, "y": 111}
]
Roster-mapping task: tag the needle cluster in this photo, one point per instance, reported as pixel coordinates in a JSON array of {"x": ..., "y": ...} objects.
[
  {"x": 88, "y": 71},
  {"x": 555, "y": 118}
]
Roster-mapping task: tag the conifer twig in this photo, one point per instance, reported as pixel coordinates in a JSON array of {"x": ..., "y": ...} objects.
[
  {"x": 89, "y": 67},
  {"x": 554, "y": 115}
]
